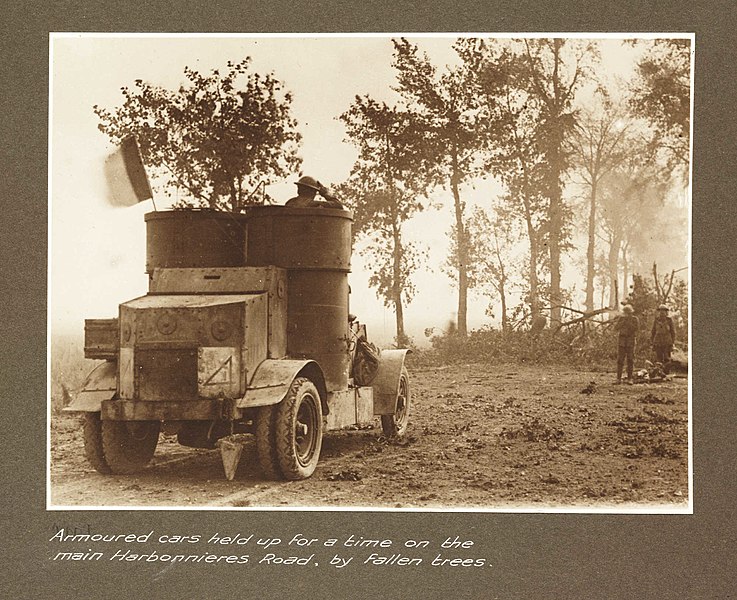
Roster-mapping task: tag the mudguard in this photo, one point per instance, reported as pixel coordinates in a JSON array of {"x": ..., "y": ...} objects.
[
  {"x": 386, "y": 383},
  {"x": 269, "y": 384},
  {"x": 101, "y": 384},
  {"x": 271, "y": 381}
]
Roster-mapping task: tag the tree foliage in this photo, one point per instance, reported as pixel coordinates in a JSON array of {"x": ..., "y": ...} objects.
[
  {"x": 491, "y": 240},
  {"x": 553, "y": 70},
  {"x": 385, "y": 189},
  {"x": 661, "y": 93},
  {"x": 598, "y": 146},
  {"x": 631, "y": 200},
  {"x": 391, "y": 268},
  {"x": 215, "y": 138},
  {"x": 514, "y": 155},
  {"x": 526, "y": 89},
  {"x": 443, "y": 105}
]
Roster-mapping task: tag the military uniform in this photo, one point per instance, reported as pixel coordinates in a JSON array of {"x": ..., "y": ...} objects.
[
  {"x": 663, "y": 336},
  {"x": 307, "y": 188},
  {"x": 627, "y": 326},
  {"x": 306, "y": 202}
]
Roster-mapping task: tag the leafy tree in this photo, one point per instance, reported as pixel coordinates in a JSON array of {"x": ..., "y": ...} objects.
[
  {"x": 215, "y": 138},
  {"x": 527, "y": 90},
  {"x": 661, "y": 93},
  {"x": 599, "y": 145},
  {"x": 509, "y": 119},
  {"x": 385, "y": 189},
  {"x": 445, "y": 108},
  {"x": 618, "y": 217},
  {"x": 632, "y": 202},
  {"x": 553, "y": 69},
  {"x": 490, "y": 242}
]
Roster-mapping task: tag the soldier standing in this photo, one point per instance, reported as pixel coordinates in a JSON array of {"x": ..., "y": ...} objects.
[
  {"x": 307, "y": 188},
  {"x": 627, "y": 326},
  {"x": 663, "y": 336}
]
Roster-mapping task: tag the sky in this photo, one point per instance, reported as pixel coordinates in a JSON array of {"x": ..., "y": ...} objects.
[{"x": 97, "y": 251}]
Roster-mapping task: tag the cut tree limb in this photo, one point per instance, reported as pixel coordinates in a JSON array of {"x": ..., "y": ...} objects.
[{"x": 586, "y": 316}]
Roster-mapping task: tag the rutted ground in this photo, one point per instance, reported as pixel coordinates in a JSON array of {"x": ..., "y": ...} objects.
[{"x": 480, "y": 437}]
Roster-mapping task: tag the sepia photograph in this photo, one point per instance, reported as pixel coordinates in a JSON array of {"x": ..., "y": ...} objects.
[{"x": 407, "y": 272}]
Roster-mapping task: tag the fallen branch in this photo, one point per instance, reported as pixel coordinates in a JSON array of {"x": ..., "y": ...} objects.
[{"x": 586, "y": 317}]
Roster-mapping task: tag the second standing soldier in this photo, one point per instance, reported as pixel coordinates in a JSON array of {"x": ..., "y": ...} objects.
[{"x": 663, "y": 336}]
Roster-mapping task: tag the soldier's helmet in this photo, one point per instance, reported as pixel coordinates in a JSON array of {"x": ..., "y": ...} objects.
[
  {"x": 663, "y": 307},
  {"x": 627, "y": 309},
  {"x": 309, "y": 182}
]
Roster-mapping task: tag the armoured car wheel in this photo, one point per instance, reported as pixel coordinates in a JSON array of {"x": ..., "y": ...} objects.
[
  {"x": 266, "y": 442},
  {"x": 396, "y": 424},
  {"x": 92, "y": 430},
  {"x": 129, "y": 445},
  {"x": 298, "y": 428}
]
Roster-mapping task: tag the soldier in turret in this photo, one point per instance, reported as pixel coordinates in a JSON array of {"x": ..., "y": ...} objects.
[{"x": 307, "y": 188}]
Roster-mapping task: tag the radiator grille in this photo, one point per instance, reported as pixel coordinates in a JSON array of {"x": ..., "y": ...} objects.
[{"x": 166, "y": 374}]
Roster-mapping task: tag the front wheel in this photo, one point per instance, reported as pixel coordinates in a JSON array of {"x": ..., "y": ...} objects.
[
  {"x": 396, "y": 424},
  {"x": 266, "y": 442},
  {"x": 92, "y": 432},
  {"x": 298, "y": 430},
  {"x": 129, "y": 445}
]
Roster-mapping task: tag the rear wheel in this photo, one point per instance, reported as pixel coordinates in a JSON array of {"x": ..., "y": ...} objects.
[
  {"x": 266, "y": 442},
  {"x": 129, "y": 445},
  {"x": 298, "y": 428},
  {"x": 92, "y": 431},
  {"x": 396, "y": 424}
]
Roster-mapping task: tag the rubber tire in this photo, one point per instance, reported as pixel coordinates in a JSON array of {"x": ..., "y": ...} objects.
[
  {"x": 126, "y": 453},
  {"x": 396, "y": 425},
  {"x": 303, "y": 400},
  {"x": 266, "y": 442},
  {"x": 92, "y": 432}
]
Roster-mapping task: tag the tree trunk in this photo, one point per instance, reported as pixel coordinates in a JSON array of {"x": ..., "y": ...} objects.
[
  {"x": 625, "y": 274},
  {"x": 591, "y": 251},
  {"x": 532, "y": 276},
  {"x": 503, "y": 299},
  {"x": 534, "y": 301},
  {"x": 554, "y": 215},
  {"x": 501, "y": 279},
  {"x": 613, "y": 272},
  {"x": 233, "y": 196},
  {"x": 462, "y": 253},
  {"x": 397, "y": 283},
  {"x": 555, "y": 208},
  {"x": 399, "y": 311}
]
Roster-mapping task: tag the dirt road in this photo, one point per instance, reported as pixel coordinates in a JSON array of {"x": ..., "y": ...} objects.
[{"x": 480, "y": 437}]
